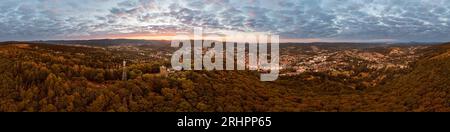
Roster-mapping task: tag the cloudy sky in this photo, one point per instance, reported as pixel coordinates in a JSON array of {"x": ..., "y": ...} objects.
[{"x": 293, "y": 20}]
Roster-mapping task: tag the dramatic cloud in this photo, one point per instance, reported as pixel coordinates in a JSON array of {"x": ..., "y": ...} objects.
[{"x": 343, "y": 20}]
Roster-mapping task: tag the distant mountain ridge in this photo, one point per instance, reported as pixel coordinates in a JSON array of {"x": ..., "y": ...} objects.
[
  {"x": 105, "y": 42},
  {"x": 116, "y": 42}
]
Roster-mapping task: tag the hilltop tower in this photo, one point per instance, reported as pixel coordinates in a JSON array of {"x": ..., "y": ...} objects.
[
  {"x": 124, "y": 72},
  {"x": 163, "y": 71}
]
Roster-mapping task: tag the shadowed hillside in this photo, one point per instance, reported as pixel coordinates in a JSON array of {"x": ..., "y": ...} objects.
[{"x": 426, "y": 88}]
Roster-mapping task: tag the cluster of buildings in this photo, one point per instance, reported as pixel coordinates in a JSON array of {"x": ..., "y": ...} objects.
[{"x": 348, "y": 60}]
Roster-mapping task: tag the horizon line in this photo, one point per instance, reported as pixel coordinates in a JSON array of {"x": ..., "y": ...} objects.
[{"x": 285, "y": 42}]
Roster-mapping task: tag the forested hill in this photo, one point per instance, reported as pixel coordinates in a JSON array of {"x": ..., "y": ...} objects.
[
  {"x": 426, "y": 88},
  {"x": 42, "y": 77}
]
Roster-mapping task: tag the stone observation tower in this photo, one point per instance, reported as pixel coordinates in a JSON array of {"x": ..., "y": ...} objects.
[
  {"x": 124, "y": 72},
  {"x": 163, "y": 71}
]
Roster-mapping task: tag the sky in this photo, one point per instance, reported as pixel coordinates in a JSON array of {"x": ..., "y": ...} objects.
[{"x": 293, "y": 20}]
